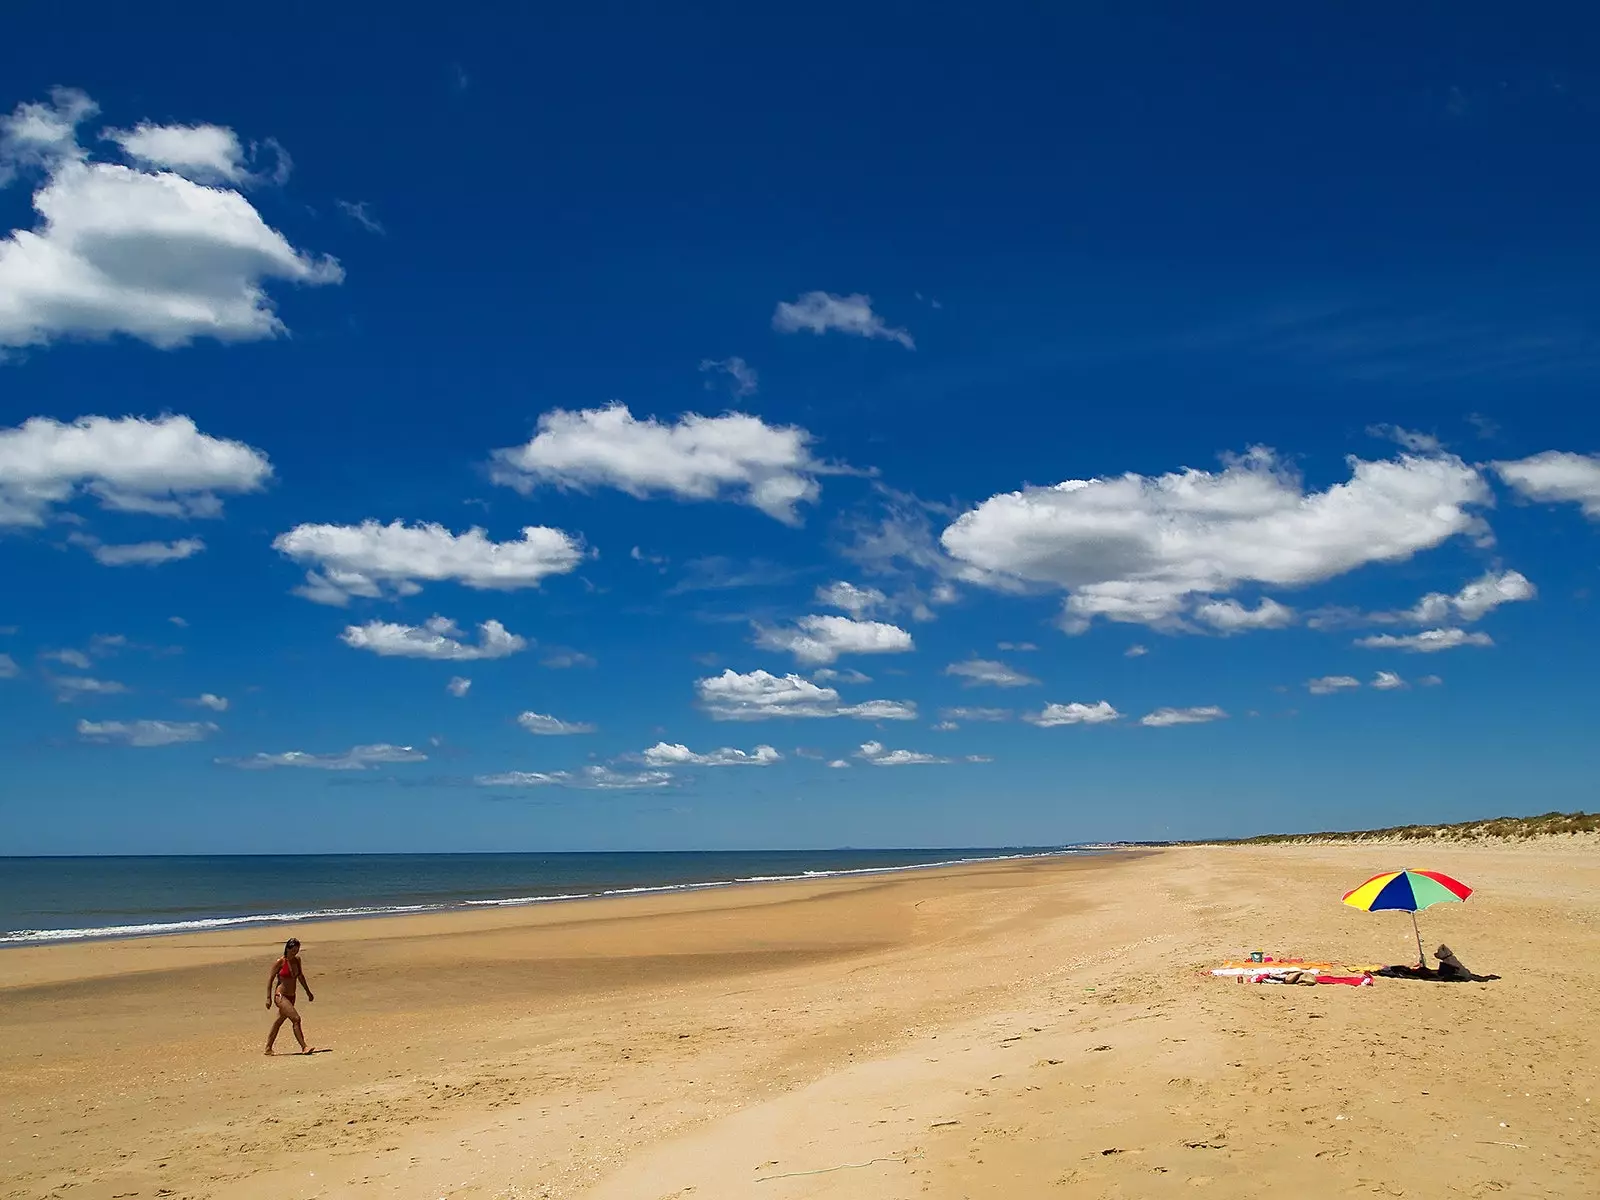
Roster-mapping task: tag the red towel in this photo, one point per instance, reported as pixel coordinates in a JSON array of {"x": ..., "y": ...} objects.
[{"x": 1352, "y": 980}]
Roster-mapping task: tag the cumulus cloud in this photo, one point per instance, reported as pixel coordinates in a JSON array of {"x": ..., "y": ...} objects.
[
  {"x": 880, "y": 756},
  {"x": 742, "y": 379},
  {"x": 964, "y": 713},
  {"x": 357, "y": 758},
  {"x": 1163, "y": 717},
  {"x": 438, "y": 638},
  {"x": 548, "y": 726},
  {"x": 1557, "y": 477},
  {"x": 458, "y": 686},
  {"x": 668, "y": 754},
  {"x": 847, "y": 597},
  {"x": 984, "y": 672},
  {"x": 138, "y": 554},
  {"x": 1429, "y": 641},
  {"x": 1229, "y": 616},
  {"x": 1328, "y": 684},
  {"x": 1052, "y": 715},
  {"x": 145, "y": 733},
  {"x": 848, "y": 675},
  {"x": 822, "y": 639},
  {"x": 596, "y": 778},
  {"x": 165, "y": 250},
  {"x": 76, "y": 687},
  {"x": 371, "y": 558},
  {"x": 762, "y": 696},
  {"x": 1145, "y": 549},
  {"x": 820, "y": 312},
  {"x": 734, "y": 456},
  {"x": 69, "y": 658},
  {"x": 839, "y": 764},
  {"x": 1387, "y": 681},
  {"x": 1135, "y": 651},
  {"x": 162, "y": 467},
  {"x": 212, "y": 701}
]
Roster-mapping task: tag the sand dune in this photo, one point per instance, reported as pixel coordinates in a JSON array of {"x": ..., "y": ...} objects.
[{"x": 1014, "y": 1029}]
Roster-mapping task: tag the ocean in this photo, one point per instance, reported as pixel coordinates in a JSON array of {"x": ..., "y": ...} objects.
[{"x": 69, "y": 899}]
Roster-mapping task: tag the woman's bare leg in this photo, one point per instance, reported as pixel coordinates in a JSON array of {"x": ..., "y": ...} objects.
[{"x": 273, "y": 1035}]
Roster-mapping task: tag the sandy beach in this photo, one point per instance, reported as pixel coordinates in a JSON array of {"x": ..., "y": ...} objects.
[{"x": 1034, "y": 1027}]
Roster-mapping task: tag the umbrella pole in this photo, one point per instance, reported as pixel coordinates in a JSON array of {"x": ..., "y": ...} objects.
[{"x": 1422, "y": 959}]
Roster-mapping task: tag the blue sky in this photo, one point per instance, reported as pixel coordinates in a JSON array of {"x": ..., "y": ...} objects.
[{"x": 699, "y": 388}]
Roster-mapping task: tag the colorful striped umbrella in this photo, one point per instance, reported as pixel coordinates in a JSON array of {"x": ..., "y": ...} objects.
[{"x": 1408, "y": 891}]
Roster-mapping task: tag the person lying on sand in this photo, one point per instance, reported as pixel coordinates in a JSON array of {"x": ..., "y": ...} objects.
[{"x": 286, "y": 972}]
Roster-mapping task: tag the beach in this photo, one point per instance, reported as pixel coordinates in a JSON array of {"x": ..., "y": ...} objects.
[{"x": 1016, "y": 1028}]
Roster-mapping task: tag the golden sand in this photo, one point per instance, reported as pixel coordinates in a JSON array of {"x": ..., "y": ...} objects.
[{"x": 1028, "y": 1028}]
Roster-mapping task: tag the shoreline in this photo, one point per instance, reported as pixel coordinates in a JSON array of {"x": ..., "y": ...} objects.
[{"x": 20, "y": 938}]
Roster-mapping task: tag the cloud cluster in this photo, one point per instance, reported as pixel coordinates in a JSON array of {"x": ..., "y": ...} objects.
[
  {"x": 1429, "y": 641},
  {"x": 357, "y": 758},
  {"x": 735, "y": 456},
  {"x": 371, "y": 558},
  {"x": 75, "y": 687},
  {"x": 596, "y": 778},
  {"x": 669, "y": 754},
  {"x": 1329, "y": 684},
  {"x": 820, "y": 312},
  {"x": 822, "y": 639},
  {"x": 1156, "y": 550},
  {"x": 742, "y": 378},
  {"x": 761, "y": 696},
  {"x": 137, "y": 554},
  {"x": 161, "y": 248},
  {"x": 145, "y": 733},
  {"x": 848, "y": 597},
  {"x": 984, "y": 672},
  {"x": 437, "y": 638},
  {"x": 880, "y": 756},
  {"x": 1164, "y": 717},
  {"x": 161, "y": 467}
]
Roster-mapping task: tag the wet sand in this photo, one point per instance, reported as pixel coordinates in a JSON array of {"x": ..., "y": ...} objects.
[{"x": 1038, "y": 1027}]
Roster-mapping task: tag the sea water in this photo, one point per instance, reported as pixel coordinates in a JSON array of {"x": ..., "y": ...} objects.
[{"x": 66, "y": 899}]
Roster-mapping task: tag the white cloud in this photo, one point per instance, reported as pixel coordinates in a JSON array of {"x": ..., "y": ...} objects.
[
  {"x": 145, "y": 733},
  {"x": 839, "y": 764},
  {"x": 1229, "y": 616},
  {"x": 963, "y": 713},
  {"x": 976, "y": 672},
  {"x": 209, "y": 154},
  {"x": 358, "y": 212},
  {"x": 879, "y": 756},
  {"x": 1328, "y": 684},
  {"x": 70, "y": 658},
  {"x": 946, "y": 726},
  {"x": 1387, "y": 681},
  {"x": 8, "y": 667},
  {"x": 1557, "y": 477},
  {"x": 1052, "y": 715},
  {"x": 1163, "y": 717},
  {"x": 212, "y": 701},
  {"x": 742, "y": 379},
  {"x": 819, "y": 312},
  {"x": 180, "y": 622},
  {"x": 857, "y": 601},
  {"x": 438, "y": 638},
  {"x": 1143, "y": 549},
  {"x": 1472, "y": 602},
  {"x": 357, "y": 758},
  {"x": 142, "y": 554},
  {"x": 1429, "y": 681},
  {"x": 822, "y": 639},
  {"x": 1135, "y": 651},
  {"x": 734, "y": 456},
  {"x": 1429, "y": 641},
  {"x": 146, "y": 250},
  {"x": 595, "y": 778},
  {"x": 548, "y": 726},
  {"x": 561, "y": 660},
  {"x": 74, "y": 687},
  {"x": 1410, "y": 439},
  {"x": 667, "y": 754},
  {"x": 1017, "y": 646},
  {"x": 1486, "y": 594},
  {"x": 848, "y": 676},
  {"x": 365, "y": 559},
  {"x": 761, "y": 696},
  {"x": 164, "y": 467},
  {"x": 458, "y": 686}
]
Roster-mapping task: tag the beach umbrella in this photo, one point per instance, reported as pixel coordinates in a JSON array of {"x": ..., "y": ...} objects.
[{"x": 1407, "y": 891}]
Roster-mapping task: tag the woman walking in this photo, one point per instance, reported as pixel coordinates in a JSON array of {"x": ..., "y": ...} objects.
[{"x": 286, "y": 973}]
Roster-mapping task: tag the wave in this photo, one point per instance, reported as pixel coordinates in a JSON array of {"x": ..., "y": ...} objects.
[{"x": 21, "y": 937}]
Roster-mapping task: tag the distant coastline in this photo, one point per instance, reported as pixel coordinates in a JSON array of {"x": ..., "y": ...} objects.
[{"x": 1502, "y": 829}]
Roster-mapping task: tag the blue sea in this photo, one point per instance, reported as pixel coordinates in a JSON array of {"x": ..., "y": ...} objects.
[{"x": 67, "y": 899}]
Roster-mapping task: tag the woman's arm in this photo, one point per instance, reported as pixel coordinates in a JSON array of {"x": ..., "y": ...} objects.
[
  {"x": 272, "y": 980},
  {"x": 300, "y": 970}
]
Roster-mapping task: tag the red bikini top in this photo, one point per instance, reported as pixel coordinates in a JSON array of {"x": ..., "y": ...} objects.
[{"x": 285, "y": 971}]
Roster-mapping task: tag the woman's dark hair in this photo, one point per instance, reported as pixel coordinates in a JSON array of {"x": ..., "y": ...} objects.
[{"x": 291, "y": 944}]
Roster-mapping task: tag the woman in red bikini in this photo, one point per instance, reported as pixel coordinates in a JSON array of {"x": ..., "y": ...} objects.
[{"x": 286, "y": 972}]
